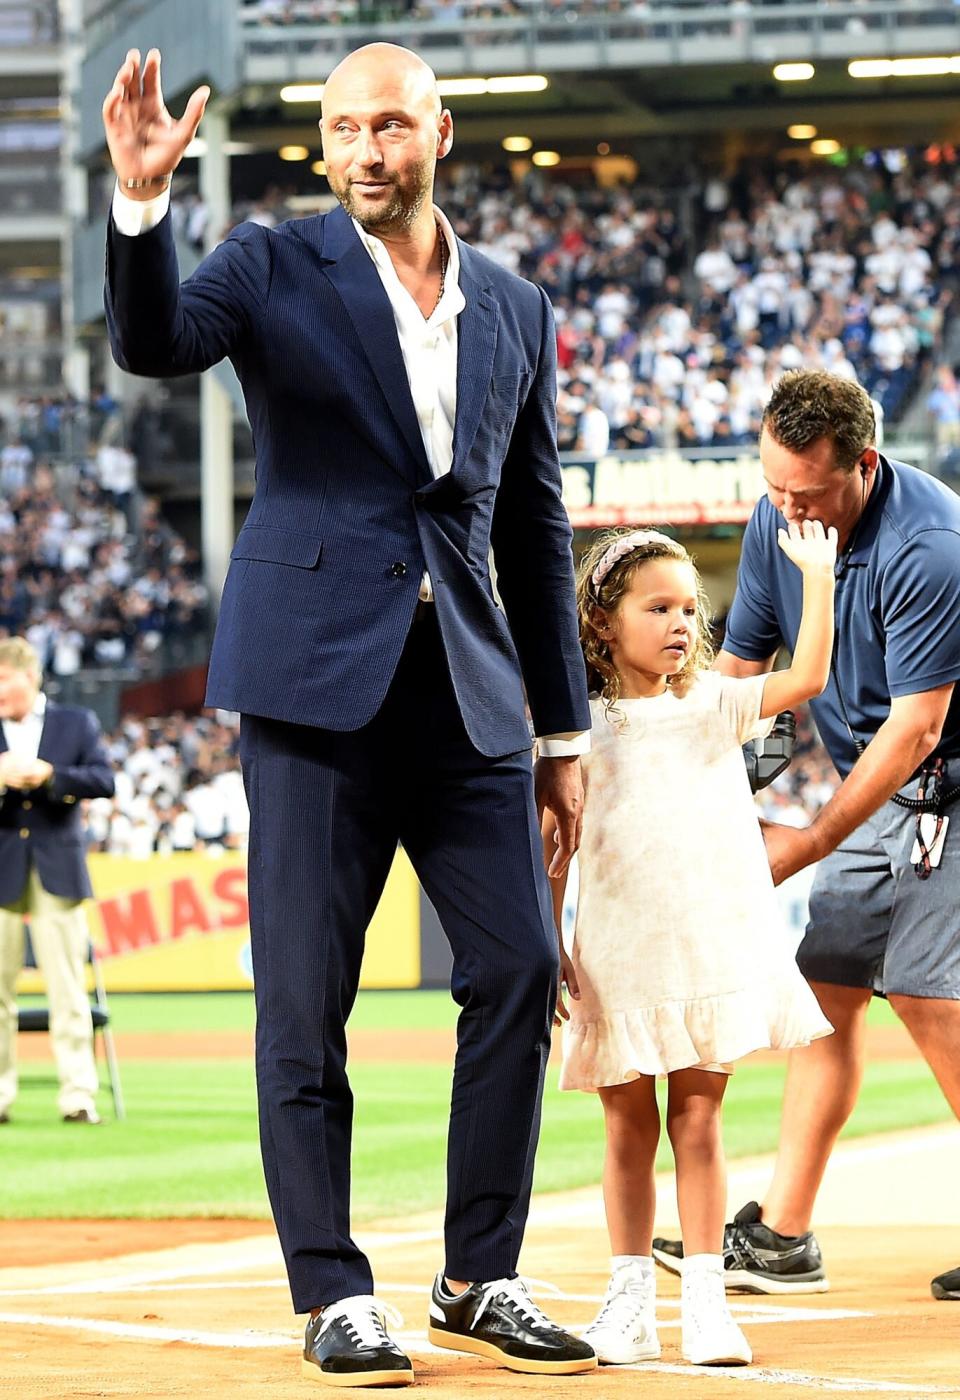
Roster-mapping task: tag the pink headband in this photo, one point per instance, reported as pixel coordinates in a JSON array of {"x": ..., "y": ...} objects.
[{"x": 626, "y": 544}]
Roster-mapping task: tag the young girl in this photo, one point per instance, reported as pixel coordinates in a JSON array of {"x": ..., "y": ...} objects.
[{"x": 680, "y": 963}]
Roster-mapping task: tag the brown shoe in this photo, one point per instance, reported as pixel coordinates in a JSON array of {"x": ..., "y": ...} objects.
[
  {"x": 4, "y": 1116},
  {"x": 83, "y": 1115}
]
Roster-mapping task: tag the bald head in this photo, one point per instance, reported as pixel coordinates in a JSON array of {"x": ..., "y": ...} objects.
[
  {"x": 384, "y": 128},
  {"x": 383, "y": 68}
]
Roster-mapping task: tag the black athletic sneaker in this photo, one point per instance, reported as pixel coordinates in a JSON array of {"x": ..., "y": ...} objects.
[
  {"x": 757, "y": 1259},
  {"x": 347, "y": 1344},
  {"x": 501, "y": 1320},
  {"x": 947, "y": 1286}
]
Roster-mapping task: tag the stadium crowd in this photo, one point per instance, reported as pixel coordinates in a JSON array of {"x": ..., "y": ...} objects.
[
  {"x": 642, "y": 15},
  {"x": 178, "y": 788},
  {"x": 90, "y": 573},
  {"x": 672, "y": 328},
  {"x": 850, "y": 270}
]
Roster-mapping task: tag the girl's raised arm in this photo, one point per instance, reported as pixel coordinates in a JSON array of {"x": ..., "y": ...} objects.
[{"x": 814, "y": 551}]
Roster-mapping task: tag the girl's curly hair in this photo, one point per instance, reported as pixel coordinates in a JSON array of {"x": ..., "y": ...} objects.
[{"x": 601, "y": 673}]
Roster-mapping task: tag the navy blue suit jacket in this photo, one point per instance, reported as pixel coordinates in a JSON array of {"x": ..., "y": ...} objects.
[
  {"x": 346, "y": 514},
  {"x": 44, "y": 825}
]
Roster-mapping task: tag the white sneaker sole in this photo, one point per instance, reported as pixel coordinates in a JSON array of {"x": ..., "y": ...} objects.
[
  {"x": 724, "y": 1359},
  {"x": 625, "y": 1356},
  {"x": 742, "y": 1281}
]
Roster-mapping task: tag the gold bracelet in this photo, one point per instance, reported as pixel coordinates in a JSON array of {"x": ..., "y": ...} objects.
[{"x": 145, "y": 184}]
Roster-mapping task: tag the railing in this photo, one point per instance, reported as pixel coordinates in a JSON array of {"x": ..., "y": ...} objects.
[
  {"x": 749, "y": 32},
  {"x": 750, "y": 29},
  {"x": 101, "y": 688}
]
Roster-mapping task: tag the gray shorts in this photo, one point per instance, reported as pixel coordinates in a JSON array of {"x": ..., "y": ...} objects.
[{"x": 873, "y": 923}]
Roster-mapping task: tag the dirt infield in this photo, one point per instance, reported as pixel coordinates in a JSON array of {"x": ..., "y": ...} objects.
[
  {"x": 196, "y": 1307},
  {"x": 413, "y": 1046}
]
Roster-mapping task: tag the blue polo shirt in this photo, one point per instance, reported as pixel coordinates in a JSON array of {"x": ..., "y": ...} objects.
[{"x": 897, "y": 607}]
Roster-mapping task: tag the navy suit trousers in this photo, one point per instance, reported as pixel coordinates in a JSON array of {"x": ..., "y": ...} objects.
[{"x": 327, "y": 811}]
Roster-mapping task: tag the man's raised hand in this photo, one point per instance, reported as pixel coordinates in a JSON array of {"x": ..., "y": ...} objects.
[{"x": 145, "y": 142}]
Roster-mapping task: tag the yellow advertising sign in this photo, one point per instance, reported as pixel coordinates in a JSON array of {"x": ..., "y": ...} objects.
[{"x": 180, "y": 923}]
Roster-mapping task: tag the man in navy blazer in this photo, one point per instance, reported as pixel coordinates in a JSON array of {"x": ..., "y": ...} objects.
[
  {"x": 401, "y": 391},
  {"x": 50, "y": 757}
]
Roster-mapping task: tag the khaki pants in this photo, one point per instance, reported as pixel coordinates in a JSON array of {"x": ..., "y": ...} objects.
[{"x": 59, "y": 933}]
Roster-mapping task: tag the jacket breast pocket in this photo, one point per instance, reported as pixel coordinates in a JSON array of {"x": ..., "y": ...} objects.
[{"x": 270, "y": 544}]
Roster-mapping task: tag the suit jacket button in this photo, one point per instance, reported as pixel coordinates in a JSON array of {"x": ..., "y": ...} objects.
[
  {"x": 24, "y": 833},
  {"x": 27, "y": 805},
  {"x": 398, "y": 570},
  {"x": 69, "y": 797}
]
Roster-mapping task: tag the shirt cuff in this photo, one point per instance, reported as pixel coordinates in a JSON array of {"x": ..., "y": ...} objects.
[
  {"x": 568, "y": 745},
  {"x": 135, "y": 216}
]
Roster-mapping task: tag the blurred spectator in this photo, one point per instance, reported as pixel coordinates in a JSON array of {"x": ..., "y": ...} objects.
[
  {"x": 178, "y": 788},
  {"x": 943, "y": 404},
  {"x": 85, "y": 590}
]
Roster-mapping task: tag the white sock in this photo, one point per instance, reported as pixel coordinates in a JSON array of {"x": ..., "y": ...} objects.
[
  {"x": 641, "y": 1263},
  {"x": 703, "y": 1264}
]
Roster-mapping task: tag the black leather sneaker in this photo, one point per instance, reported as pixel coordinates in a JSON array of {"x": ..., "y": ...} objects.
[
  {"x": 757, "y": 1259},
  {"x": 500, "y": 1320},
  {"x": 946, "y": 1286},
  {"x": 347, "y": 1344}
]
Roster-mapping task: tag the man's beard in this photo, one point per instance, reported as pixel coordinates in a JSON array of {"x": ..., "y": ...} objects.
[{"x": 399, "y": 212}]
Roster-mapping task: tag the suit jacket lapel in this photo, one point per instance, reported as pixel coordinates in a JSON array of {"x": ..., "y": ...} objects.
[
  {"x": 353, "y": 273},
  {"x": 476, "y": 343}
]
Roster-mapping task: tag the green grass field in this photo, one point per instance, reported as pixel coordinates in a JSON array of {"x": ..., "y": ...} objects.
[{"x": 189, "y": 1144}]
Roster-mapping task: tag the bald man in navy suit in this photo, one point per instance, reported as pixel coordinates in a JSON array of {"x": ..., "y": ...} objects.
[{"x": 401, "y": 389}]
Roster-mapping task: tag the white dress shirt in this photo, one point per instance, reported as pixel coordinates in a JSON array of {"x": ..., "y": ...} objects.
[{"x": 429, "y": 348}]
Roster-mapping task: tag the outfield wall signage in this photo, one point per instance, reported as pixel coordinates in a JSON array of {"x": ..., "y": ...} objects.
[
  {"x": 662, "y": 488},
  {"x": 181, "y": 923}
]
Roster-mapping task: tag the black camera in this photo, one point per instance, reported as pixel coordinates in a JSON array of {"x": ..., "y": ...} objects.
[{"x": 767, "y": 758}]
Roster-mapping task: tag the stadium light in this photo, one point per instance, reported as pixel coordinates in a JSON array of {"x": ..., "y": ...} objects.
[
  {"x": 516, "y": 143},
  {"x": 293, "y": 152},
  {"x": 302, "y": 92},
  {"x": 546, "y": 157},
  {"x": 801, "y": 131},
  {"x": 525, "y": 82},
  {"x": 319, "y": 167},
  {"x": 479, "y": 87},
  {"x": 934, "y": 67},
  {"x": 825, "y": 146},
  {"x": 462, "y": 87},
  {"x": 793, "y": 72},
  {"x": 447, "y": 87}
]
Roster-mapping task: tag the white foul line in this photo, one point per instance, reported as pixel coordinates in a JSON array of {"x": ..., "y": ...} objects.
[
  {"x": 751, "y": 1313},
  {"x": 417, "y": 1341}
]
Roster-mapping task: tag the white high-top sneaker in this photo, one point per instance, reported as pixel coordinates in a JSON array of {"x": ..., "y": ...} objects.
[
  {"x": 625, "y": 1328},
  {"x": 709, "y": 1335}
]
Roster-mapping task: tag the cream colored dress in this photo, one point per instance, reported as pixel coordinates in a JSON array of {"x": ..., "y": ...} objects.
[{"x": 680, "y": 948}]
